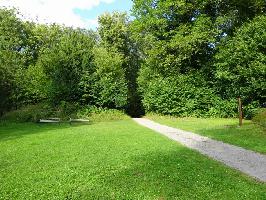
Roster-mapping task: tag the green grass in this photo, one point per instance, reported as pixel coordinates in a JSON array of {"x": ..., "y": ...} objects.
[
  {"x": 110, "y": 160},
  {"x": 250, "y": 136}
]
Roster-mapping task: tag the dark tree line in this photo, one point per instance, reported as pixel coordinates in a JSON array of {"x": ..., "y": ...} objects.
[{"x": 179, "y": 57}]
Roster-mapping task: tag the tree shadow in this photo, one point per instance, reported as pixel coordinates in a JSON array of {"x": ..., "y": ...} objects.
[
  {"x": 12, "y": 130},
  {"x": 180, "y": 174}
]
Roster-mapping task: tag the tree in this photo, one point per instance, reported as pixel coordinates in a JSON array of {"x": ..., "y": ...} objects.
[
  {"x": 110, "y": 86},
  {"x": 13, "y": 42},
  {"x": 115, "y": 33},
  {"x": 185, "y": 34},
  {"x": 65, "y": 61},
  {"x": 241, "y": 63},
  {"x": 181, "y": 37}
]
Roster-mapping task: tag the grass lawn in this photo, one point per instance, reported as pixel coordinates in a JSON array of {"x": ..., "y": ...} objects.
[
  {"x": 110, "y": 160},
  {"x": 250, "y": 136}
]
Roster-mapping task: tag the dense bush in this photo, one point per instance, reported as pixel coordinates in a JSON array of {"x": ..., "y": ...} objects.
[
  {"x": 116, "y": 36},
  {"x": 63, "y": 64},
  {"x": 95, "y": 114},
  {"x": 64, "y": 111},
  {"x": 251, "y": 109},
  {"x": 30, "y": 113},
  {"x": 181, "y": 97},
  {"x": 260, "y": 117}
]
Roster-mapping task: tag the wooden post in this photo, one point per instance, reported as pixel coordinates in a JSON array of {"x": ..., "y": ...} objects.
[{"x": 240, "y": 111}]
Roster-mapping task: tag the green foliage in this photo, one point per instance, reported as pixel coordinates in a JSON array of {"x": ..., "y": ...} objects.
[
  {"x": 241, "y": 63},
  {"x": 110, "y": 87},
  {"x": 164, "y": 16},
  {"x": 66, "y": 61},
  {"x": 260, "y": 117},
  {"x": 20, "y": 81},
  {"x": 12, "y": 42},
  {"x": 185, "y": 58},
  {"x": 206, "y": 38},
  {"x": 30, "y": 113},
  {"x": 250, "y": 110},
  {"x": 184, "y": 96},
  {"x": 115, "y": 33},
  {"x": 33, "y": 113},
  {"x": 95, "y": 114},
  {"x": 32, "y": 85},
  {"x": 63, "y": 65},
  {"x": 113, "y": 30},
  {"x": 64, "y": 110}
]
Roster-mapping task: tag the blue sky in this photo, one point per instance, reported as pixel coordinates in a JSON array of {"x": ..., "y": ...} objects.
[
  {"x": 117, "y": 5},
  {"x": 75, "y": 13}
]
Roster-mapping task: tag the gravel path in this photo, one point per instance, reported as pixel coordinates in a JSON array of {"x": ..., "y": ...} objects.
[{"x": 248, "y": 162}]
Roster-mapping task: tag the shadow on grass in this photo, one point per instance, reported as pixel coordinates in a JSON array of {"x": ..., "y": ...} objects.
[
  {"x": 11, "y": 130},
  {"x": 180, "y": 174}
]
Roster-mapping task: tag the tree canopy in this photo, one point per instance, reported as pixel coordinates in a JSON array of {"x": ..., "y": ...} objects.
[{"x": 178, "y": 57}]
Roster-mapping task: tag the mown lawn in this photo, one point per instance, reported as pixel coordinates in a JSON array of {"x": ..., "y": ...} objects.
[
  {"x": 250, "y": 136},
  {"x": 110, "y": 160}
]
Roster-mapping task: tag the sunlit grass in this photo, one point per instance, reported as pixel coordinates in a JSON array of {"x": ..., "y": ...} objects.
[{"x": 110, "y": 160}]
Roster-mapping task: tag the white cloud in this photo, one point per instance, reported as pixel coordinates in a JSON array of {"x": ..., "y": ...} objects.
[{"x": 55, "y": 11}]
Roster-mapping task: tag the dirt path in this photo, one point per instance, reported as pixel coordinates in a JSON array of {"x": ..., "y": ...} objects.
[{"x": 248, "y": 162}]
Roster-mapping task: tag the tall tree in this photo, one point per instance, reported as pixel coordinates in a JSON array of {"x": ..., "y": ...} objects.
[
  {"x": 115, "y": 33},
  {"x": 13, "y": 45},
  {"x": 110, "y": 86},
  {"x": 181, "y": 37},
  {"x": 241, "y": 63},
  {"x": 185, "y": 33},
  {"x": 65, "y": 61}
]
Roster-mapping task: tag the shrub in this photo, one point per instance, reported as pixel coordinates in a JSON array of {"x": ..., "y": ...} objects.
[
  {"x": 66, "y": 110},
  {"x": 260, "y": 117},
  {"x": 30, "y": 113},
  {"x": 181, "y": 97},
  {"x": 251, "y": 109},
  {"x": 95, "y": 114}
]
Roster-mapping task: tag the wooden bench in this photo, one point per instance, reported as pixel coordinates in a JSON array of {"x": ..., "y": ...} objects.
[
  {"x": 78, "y": 120},
  {"x": 58, "y": 120},
  {"x": 50, "y": 120}
]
